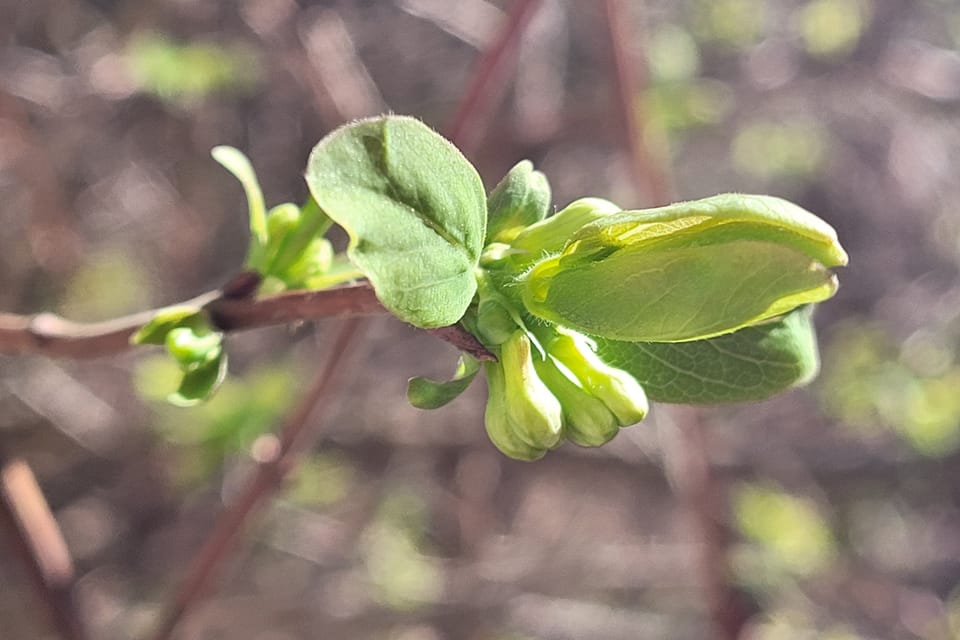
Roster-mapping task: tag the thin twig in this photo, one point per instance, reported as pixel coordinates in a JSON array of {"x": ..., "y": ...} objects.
[
  {"x": 702, "y": 496},
  {"x": 50, "y": 335},
  {"x": 294, "y": 438},
  {"x": 37, "y": 538},
  {"x": 478, "y": 98},
  {"x": 649, "y": 177}
]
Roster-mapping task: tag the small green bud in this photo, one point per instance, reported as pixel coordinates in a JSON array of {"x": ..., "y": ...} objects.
[
  {"x": 190, "y": 349},
  {"x": 314, "y": 261},
  {"x": 494, "y": 322},
  {"x": 587, "y": 420},
  {"x": 520, "y": 199},
  {"x": 281, "y": 221},
  {"x": 499, "y": 426},
  {"x": 534, "y": 411},
  {"x": 551, "y": 235},
  {"x": 616, "y": 388}
]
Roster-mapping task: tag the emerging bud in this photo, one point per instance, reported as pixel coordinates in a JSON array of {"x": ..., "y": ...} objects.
[
  {"x": 689, "y": 271},
  {"x": 190, "y": 349},
  {"x": 519, "y": 200},
  {"x": 494, "y": 323},
  {"x": 551, "y": 235}
]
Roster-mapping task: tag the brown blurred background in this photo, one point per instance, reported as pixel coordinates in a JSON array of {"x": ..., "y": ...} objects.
[{"x": 837, "y": 507}]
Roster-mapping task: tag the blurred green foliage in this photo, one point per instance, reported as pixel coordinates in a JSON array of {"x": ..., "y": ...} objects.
[
  {"x": 243, "y": 409},
  {"x": 735, "y": 23},
  {"x": 185, "y": 73},
  {"x": 831, "y": 28},
  {"x": 788, "y": 149},
  {"x": 320, "y": 481},
  {"x": 403, "y": 577},
  {"x": 108, "y": 284},
  {"x": 910, "y": 388},
  {"x": 794, "y": 625},
  {"x": 792, "y": 538}
]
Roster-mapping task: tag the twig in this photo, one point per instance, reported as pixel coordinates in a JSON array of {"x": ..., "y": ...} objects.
[
  {"x": 649, "y": 177},
  {"x": 477, "y": 98},
  {"x": 37, "y": 538},
  {"x": 701, "y": 494},
  {"x": 50, "y": 335},
  {"x": 294, "y": 438}
]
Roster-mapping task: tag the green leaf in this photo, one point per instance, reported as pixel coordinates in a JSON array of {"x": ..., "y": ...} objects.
[
  {"x": 236, "y": 163},
  {"x": 750, "y": 364},
  {"x": 155, "y": 331},
  {"x": 200, "y": 382},
  {"x": 424, "y": 393},
  {"x": 519, "y": 200},
  {"x": 415, "y": 211},
  {"x": 688, "y": 271}
]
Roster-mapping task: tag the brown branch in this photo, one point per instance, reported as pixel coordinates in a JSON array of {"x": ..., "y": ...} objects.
[
  {"x": 649, "y": 177},
  {"x": 478, "y": 97},
  {"x": 37, "y": 538},
  {"x": 50, "y": 335},
  {"x": 294, "y": 438}
]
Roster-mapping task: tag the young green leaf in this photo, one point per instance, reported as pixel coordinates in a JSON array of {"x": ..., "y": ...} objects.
[
  {"x": 200, "y": 382},
  {"x": 424, "y": 393},
  {"x": 751, "y": 364},
  {"x": 415, "y": 211},
  {"x": 689, "y": 271},
  {"x": 236, "y": 163}
]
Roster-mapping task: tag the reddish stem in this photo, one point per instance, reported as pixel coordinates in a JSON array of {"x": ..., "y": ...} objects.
[
  {"x": 477, "y": 100},
  {"x": 650, "y": 178},
  {"x": 295, "y": 437},
  {"x": 38, "y": 540}
]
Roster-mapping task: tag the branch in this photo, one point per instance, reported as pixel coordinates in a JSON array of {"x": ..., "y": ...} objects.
[
  {"x": 648, "y": 175},
  {"x": 294, "y": 438},
  {"x": 230, "y": 310},
  {"x": 477, "y": 98},
  {"x": 37, "y": 538}
]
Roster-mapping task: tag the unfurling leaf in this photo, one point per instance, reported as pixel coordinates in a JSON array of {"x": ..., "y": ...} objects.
[
  {"x": 689, "y": 271},
  {"x": 424, "y": 393},
  {"x": 199, "y": 382},
  {"x": 414, "y": 208},
  {"x": 236, "y": 163}
]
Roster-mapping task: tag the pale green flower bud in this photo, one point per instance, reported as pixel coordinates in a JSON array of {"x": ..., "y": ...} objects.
[
  {"x": 534, "y": 411},
  {"x": 616, "y": 388},
  {"x": 549, "y": 236},
  {"x": 587, "y": 420},
  {"x": 500, "y": 428}
]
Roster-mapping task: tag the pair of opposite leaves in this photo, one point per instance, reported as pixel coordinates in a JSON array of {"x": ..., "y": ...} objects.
[{"x": 701, "y": 301}]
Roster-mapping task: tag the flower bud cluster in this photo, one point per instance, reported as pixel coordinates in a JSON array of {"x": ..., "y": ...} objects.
[{"x": 549, "y": 385}]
